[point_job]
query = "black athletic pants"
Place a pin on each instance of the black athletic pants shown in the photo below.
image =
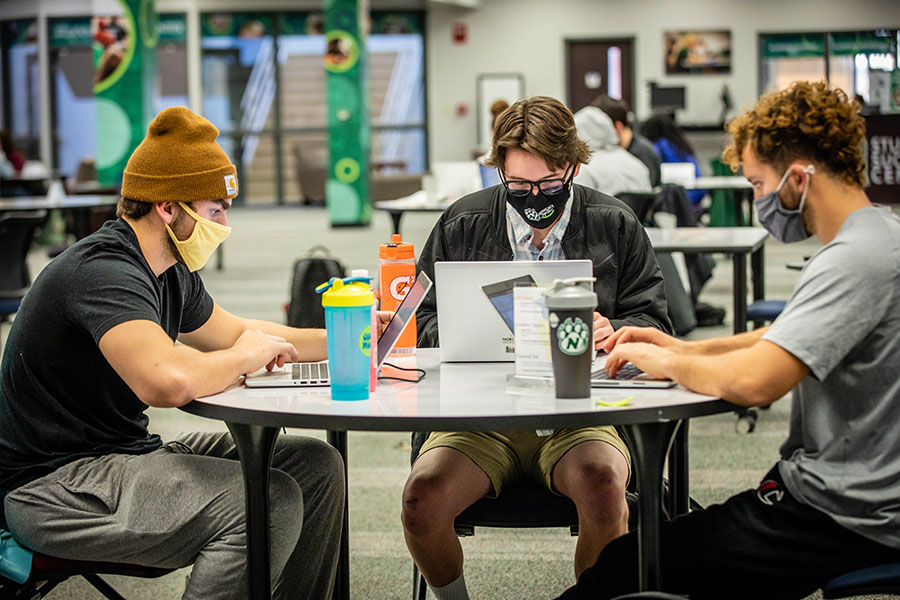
(759, 544)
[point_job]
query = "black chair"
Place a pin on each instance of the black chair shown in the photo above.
(519, 505)
(47, 572)
(881, 579)
(641, 203)
(16, 234)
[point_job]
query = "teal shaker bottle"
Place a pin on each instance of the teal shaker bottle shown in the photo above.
(348, 324)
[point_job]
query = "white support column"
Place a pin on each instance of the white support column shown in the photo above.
(194, 58)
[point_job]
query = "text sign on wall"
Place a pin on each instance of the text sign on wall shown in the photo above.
(883, 158)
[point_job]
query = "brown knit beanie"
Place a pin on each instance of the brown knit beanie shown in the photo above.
(179, 161)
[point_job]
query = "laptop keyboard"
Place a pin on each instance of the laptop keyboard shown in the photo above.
(629, 371)
(315, 373)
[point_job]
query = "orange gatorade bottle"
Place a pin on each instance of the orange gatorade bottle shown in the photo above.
(396, 274)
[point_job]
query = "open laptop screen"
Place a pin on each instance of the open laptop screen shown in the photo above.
(404, 313)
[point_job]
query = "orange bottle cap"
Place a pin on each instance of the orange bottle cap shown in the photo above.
(397, 249)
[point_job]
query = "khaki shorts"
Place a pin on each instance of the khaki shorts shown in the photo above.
(509, 456)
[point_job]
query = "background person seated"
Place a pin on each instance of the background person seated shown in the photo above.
(631, 140)
(611, 169)
(672, 147)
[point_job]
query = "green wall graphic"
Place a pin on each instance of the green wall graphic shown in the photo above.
(124, 77)
(347, 188)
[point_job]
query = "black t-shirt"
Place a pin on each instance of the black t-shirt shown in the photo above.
(60, 400)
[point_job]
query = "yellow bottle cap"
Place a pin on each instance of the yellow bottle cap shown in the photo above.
(355, 293)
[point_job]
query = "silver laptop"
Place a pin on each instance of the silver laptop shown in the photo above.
(470, 328)
(629, 376)
(316, 373)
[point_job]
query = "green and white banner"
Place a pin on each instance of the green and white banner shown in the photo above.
(347, 188)
(124, 77)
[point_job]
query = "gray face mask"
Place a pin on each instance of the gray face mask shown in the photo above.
(785, 225)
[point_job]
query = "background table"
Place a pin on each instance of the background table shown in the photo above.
(63, 202)
(80, 208)
(735, 241)
(453, 397)
(743, 192)
(414, 203)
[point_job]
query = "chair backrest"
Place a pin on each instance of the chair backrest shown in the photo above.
(641, 203)
(16, 234)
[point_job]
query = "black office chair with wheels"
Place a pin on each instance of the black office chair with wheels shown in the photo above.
(519, 505)
(16, 234)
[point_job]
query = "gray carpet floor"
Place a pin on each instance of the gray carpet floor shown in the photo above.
(499, 563)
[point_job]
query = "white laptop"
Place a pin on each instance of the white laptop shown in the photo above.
(316, 373)
(469, 326)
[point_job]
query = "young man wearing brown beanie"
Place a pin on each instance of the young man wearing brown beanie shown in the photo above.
(94, 344)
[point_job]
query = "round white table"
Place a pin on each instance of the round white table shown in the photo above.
(456, 397)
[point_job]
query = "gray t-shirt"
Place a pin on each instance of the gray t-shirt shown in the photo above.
(842, 455)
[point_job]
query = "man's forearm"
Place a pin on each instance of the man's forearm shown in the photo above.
(203, 374)
(725, 344)
(727, 375)
(311, 344)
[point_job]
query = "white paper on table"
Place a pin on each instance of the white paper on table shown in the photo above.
(532, 333)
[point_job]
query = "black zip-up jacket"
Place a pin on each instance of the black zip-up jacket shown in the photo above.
(629, 284)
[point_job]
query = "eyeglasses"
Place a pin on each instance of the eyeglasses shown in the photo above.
(522, 188)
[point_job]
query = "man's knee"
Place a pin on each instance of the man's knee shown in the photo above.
(426, 503)
(598, 486)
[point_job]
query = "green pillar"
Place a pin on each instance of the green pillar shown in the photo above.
(124, 83)
(347, 189)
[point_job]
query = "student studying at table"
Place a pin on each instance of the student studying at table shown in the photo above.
(94, 344)
(537, 213)
(829, 505)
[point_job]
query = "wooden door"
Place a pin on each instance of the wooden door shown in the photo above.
(595, 67)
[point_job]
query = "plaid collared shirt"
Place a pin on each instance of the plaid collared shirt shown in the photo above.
(520, 235)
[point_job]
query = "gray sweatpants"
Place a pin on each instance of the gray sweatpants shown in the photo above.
(183, 504)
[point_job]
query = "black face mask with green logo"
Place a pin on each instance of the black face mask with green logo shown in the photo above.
(542, 209)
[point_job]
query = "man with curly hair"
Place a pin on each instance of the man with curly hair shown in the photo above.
(829, 505)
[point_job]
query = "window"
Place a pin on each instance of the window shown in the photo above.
(21, 72)
(859, 62)
(72, 93)
(264, 88)
(172, 62)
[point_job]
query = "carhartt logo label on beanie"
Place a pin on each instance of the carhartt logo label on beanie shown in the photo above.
(179, 161)
(231, 184)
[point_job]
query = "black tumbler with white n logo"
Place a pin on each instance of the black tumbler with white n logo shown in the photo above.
(570, 307)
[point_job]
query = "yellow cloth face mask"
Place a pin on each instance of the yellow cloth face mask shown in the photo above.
(203, 241)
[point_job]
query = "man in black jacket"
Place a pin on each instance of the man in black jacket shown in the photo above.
(535, 214)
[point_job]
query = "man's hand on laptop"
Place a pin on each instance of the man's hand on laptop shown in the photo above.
(266, 350)
(649, 358)
(649, 335)
(602, 330)
(384, 317)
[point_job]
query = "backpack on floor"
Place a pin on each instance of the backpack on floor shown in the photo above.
(316, 267)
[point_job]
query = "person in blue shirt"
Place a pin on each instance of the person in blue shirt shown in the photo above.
(672, 147)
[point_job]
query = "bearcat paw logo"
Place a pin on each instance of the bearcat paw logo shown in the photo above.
(573, 336)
